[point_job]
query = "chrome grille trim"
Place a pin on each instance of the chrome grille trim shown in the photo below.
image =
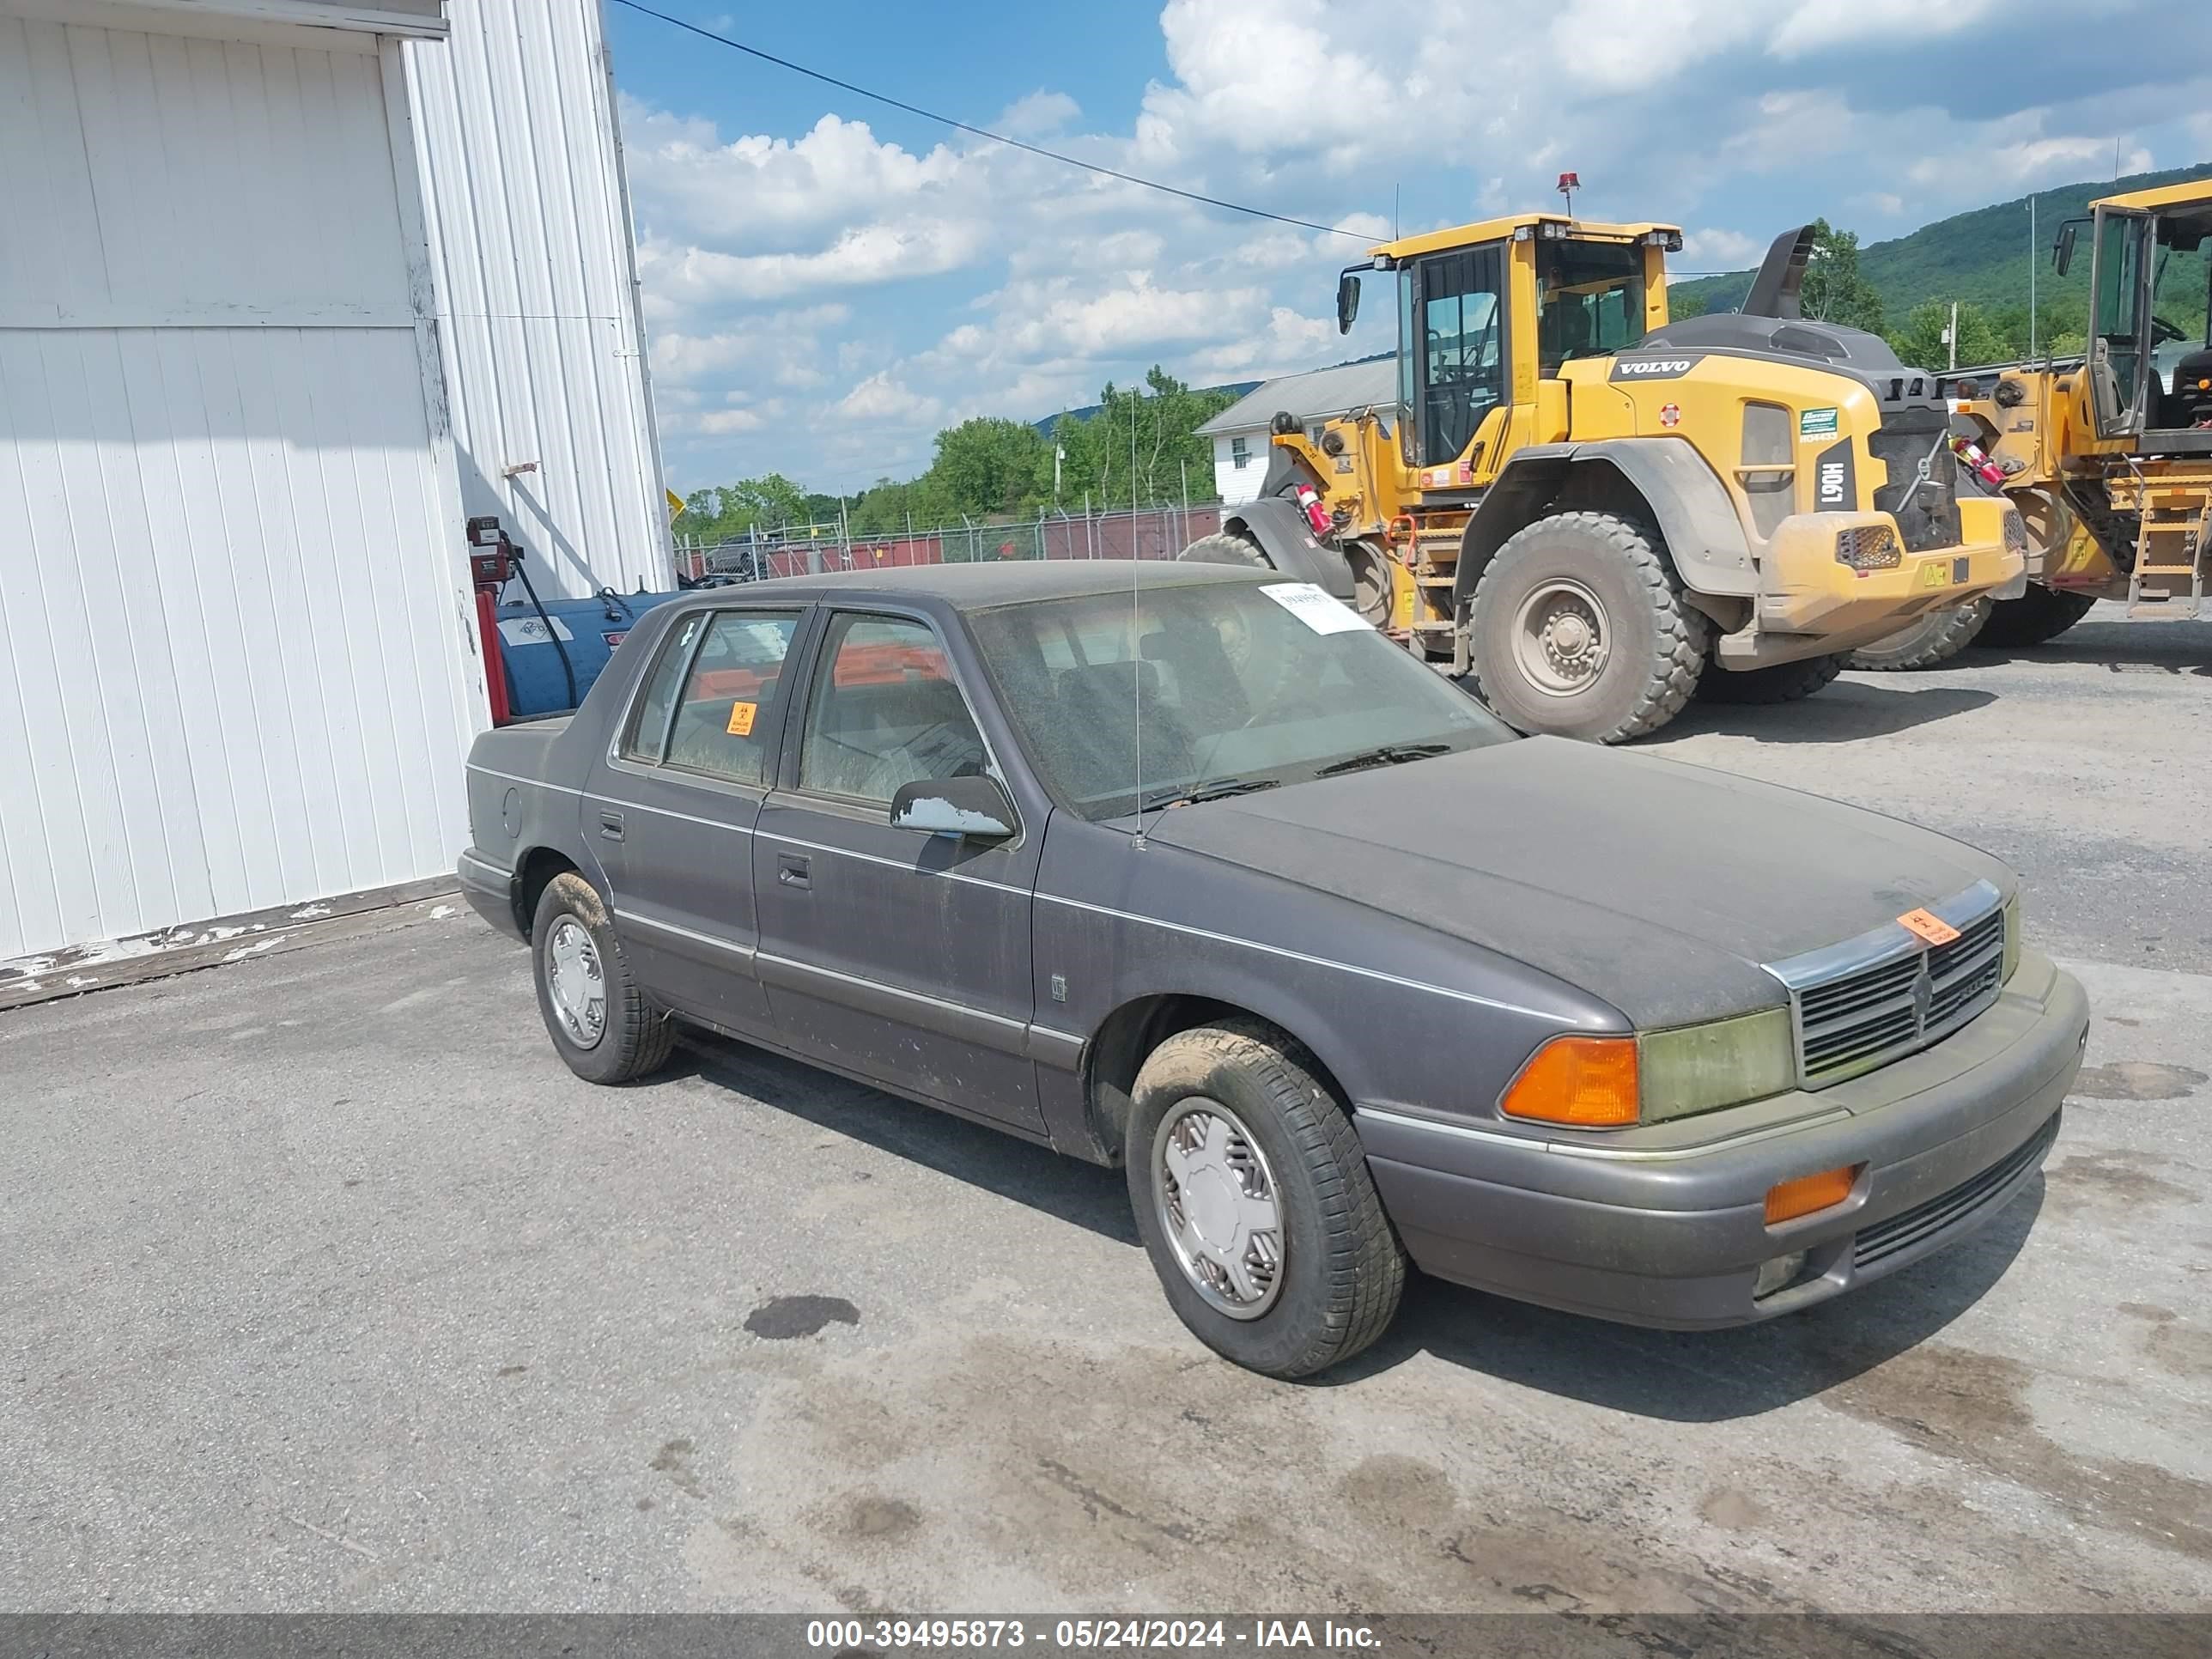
(1885, 994)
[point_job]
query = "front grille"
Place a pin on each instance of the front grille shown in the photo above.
(1930, 519)
(1923, 1221)
(1876, 998)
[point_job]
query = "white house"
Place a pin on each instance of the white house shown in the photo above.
(1240, 432)
(288, 290)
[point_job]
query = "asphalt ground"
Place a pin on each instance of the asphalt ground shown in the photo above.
(324, 1285)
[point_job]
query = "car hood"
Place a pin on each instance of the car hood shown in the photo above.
(1659, 887)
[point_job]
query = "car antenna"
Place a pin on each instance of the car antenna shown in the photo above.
(1136, 645)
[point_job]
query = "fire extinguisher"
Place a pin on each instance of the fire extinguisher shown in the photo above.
(1973, 455)
(1316, 514)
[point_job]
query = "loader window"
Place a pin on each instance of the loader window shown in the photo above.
(2116, 338)
(1589, 300)
(1463, 348)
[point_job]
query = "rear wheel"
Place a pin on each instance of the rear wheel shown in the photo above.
(598, 1018)
(1581, 628)
(1934, 638)
(1254, 1202)
(2040, 614)
(1780, 682)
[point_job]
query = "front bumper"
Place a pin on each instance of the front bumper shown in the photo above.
(491, 890)
(1803, 589)
(1667, 1225)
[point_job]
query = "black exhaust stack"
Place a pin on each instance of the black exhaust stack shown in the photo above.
(1781, 274)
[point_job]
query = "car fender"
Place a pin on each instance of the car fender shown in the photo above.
(1666, 478)
(1279, 528)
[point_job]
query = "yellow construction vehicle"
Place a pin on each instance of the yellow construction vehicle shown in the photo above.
(1597, 513)
(2112, 470)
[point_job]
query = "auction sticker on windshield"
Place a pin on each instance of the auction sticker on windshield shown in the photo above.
(1315, 608)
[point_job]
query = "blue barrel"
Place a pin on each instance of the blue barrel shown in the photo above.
(589, 630)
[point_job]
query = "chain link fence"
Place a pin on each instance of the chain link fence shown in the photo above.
(1154, 532)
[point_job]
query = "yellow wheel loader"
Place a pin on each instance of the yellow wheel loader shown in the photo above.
(1597, 513)
(2109, 466)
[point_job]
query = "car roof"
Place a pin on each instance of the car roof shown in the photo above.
(984, 584)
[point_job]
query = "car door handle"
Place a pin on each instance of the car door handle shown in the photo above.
(611, 825)
(792, 870)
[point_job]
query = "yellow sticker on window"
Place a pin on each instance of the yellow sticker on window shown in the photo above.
(741, 719)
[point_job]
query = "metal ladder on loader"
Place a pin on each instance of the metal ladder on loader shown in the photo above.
(2173, 503)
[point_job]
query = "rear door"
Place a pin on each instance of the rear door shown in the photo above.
(673, 803)
(900, 955)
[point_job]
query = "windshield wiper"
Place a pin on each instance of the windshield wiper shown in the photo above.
(1191, 794)
(1390, 754)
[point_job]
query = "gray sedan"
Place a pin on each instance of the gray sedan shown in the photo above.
(1183, 868)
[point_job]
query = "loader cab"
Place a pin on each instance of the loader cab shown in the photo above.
(1488, 311)
(2150, 288)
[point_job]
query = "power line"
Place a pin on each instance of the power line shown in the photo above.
(982, 133)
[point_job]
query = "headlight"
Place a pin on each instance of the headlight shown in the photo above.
(1609, 1082)
(2012, 936)
(1700, 1068)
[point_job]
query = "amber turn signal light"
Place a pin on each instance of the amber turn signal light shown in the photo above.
(1588, 1083)
(1788, 1200)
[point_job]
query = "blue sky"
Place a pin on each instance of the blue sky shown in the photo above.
(828, 281)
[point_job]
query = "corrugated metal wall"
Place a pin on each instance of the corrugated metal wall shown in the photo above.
(530, 236)
(234, 668)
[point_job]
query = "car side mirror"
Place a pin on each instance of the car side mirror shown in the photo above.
(1347, 302)
(2062, 255)
(969, 809)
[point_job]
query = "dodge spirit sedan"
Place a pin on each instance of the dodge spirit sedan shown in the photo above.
(1183, 868)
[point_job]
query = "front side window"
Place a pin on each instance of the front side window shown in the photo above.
(886, 712)
(1463, 348)
(1589, 300)
(722, 726)
(1198, 687)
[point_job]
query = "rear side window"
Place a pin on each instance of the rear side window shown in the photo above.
(723, 724)
(647, 739)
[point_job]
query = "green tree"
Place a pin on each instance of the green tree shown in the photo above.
(988, 466)
(1167, 450)
(1982, 338)
(1833, 291)
(1681, 304)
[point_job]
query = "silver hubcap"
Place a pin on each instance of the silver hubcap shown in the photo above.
(1560, 637)
(579, 988)
(1219, 1208)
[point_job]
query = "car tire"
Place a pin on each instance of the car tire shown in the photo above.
(1609, 579)
(1338, 1269)
(2038, 616)
(1226, 547)
(1780, 682)
(569, 936)
(1934, 638)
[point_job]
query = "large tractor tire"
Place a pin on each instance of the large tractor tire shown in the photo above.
(1780, 682)
(2040, 614)
(1226, 547)
(1581, 630)
(1934, 638)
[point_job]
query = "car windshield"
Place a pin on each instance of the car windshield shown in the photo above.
(1240, 686)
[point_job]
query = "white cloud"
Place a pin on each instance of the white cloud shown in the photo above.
(1719, 250)
(1039, 115)
(880, 397)
(1814, 25)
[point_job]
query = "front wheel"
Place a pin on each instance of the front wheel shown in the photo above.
(1581, 628)
(1780, 682)
(1934, 638)
(1226, 547)
(1253, 1200)
(2040, 614)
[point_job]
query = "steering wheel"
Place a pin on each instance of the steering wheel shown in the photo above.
(2161, 331)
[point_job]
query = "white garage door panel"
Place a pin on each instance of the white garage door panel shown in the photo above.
(234, 655)
(156, 179)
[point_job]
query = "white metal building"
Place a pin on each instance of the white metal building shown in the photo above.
(288, 289)
(1239, 433)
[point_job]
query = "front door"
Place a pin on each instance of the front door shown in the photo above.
(2119, 285)
(893, 953)
(1459, 347)
(673, 804)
